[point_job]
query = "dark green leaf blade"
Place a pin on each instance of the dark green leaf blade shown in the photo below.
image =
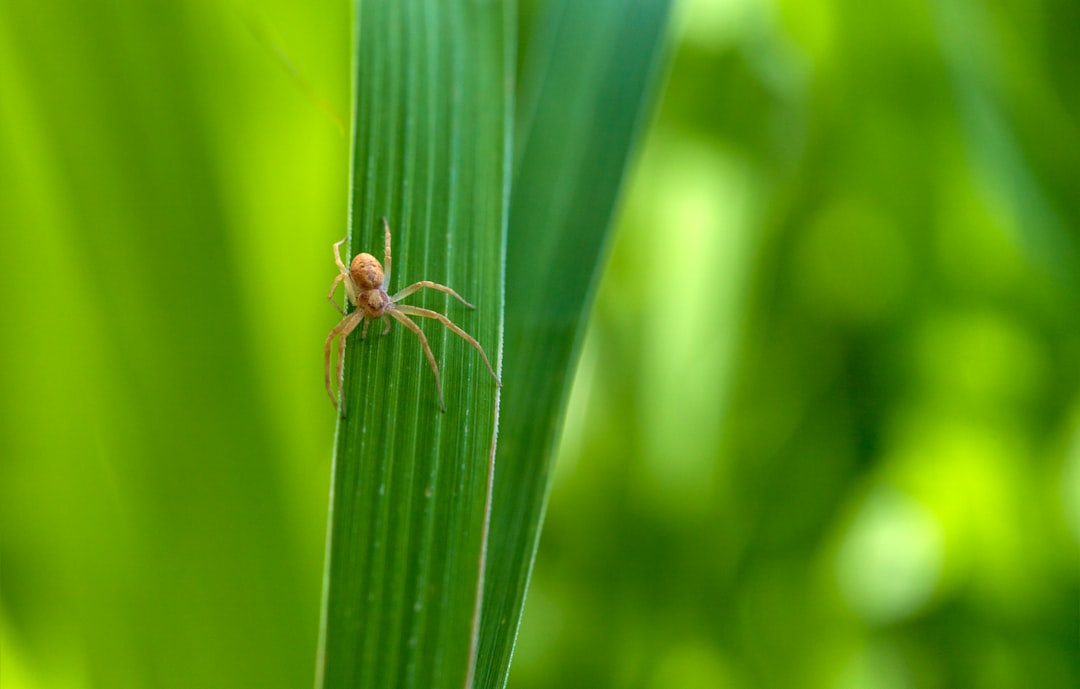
(411, 485)
(589, 87)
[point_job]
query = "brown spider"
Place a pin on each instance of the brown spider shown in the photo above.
(364, 281)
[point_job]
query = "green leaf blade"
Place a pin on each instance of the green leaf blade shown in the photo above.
(411, 484)
(589, 89)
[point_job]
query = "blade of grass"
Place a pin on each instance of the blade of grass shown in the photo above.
(589, 86)
(411, 485)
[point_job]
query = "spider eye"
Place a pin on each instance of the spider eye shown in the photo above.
(366, 272)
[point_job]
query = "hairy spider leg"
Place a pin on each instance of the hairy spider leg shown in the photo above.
(341, 358)
(344, 328)
(433, 285)
(333, 286)
(337, 256)
(343, 274)
(407, 322)
(386, 256)
(427, 313)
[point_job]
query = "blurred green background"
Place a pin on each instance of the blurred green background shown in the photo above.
(825, 431)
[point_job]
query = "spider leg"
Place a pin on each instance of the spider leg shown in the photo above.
(350, 287)
(407, 322)
(363, 331)
(333, 286)
(386, 253)
(337, 255)
(346, 326)
(387, 321)
(341, 358)
(433, 285)
(427, 313)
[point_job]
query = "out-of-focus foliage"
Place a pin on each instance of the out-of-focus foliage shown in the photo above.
(588, 87)
(824, 432)
(168, 196)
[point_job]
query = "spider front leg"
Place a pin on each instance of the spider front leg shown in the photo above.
(428, 313)
(344, 329)
(407, 322)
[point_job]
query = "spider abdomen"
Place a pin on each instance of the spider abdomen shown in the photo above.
(366, 272)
